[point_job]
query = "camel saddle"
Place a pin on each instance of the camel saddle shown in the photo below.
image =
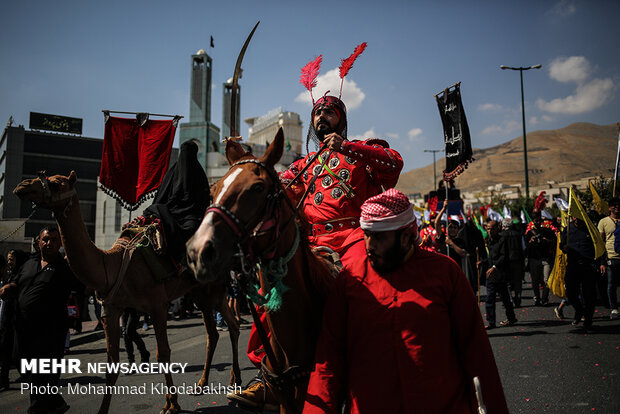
(145, 236)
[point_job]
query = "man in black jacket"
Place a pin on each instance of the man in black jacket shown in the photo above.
(516, 259)
(581, 271)
(497, 282)
(42, 288)
(541, 240)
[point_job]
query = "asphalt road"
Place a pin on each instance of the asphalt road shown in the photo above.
(546, 365)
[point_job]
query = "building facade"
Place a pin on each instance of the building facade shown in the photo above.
(264, 128)
(23, 153)
(199, 128)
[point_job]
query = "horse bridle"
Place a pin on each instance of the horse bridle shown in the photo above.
(269, 221)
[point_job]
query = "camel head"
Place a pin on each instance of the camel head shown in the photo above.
(240, 206)
(54, 193)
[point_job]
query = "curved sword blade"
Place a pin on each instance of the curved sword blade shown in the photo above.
(235, 85)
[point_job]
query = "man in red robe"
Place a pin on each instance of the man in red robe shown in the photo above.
(402, 331)
(347, 173)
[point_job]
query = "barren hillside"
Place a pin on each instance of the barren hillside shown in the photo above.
(576, 151)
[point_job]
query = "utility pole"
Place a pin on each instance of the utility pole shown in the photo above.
(434, 166)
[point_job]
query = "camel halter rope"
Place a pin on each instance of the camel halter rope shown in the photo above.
(51, 198)
(48, 197)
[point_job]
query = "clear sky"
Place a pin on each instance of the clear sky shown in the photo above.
(76, 58)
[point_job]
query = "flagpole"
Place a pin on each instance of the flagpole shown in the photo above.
(617, 161)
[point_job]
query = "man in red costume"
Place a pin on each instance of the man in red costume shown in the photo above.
(347, 173)
(402, 331)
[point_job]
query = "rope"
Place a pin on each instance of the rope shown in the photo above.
(8, 236)
(274, 271)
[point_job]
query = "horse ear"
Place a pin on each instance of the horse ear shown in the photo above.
(72, 178)
(274, 152)
(234, 151)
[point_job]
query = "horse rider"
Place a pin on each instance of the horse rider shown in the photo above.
(337, 182)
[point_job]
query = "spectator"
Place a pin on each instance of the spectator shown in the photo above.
(581, 271)
(611, 266)
(516, 259)
(540, 238)
(130, 320)
(449, 242)
(497, 276)
(42, 288)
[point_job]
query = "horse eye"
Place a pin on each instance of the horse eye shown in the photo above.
(258, 187)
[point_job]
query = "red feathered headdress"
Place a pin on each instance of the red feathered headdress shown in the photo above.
(540, 203)
(310, 72)
(347, 63)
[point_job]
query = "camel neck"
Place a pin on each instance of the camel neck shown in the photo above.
(83, 256)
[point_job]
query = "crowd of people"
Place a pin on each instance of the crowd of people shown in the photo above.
(404, 308)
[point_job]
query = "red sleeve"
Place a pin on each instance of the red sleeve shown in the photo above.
(385, 163)
(473, 346)
(293, 169)
(328, 378)
(296, 190)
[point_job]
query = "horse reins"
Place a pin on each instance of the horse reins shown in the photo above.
(263, 226)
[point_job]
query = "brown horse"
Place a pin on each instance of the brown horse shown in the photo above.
(138, 289)
(252, 220)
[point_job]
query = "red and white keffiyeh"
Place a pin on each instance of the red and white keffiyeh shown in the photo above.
(390, 210)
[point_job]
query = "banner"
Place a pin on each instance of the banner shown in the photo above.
(575, 209)
(601, 205)
(555, 282)
(456, 132)
(135, 158)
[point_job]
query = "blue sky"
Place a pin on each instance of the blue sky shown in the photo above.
(76, 58)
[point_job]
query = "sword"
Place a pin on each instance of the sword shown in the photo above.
(235, 85)
(482, 409)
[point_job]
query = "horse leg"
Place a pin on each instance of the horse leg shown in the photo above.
(160, 326)
(111, 328)
(233, 330)
(212, 337)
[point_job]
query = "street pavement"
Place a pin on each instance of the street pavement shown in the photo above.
(546, 365)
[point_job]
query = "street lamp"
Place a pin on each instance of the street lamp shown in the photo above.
(521, 69)
(434, 166)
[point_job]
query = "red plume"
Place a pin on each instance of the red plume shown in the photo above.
(309, 74)
(541, 202)
(347, 63)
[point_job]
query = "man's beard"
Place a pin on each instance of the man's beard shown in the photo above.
(392, 259)
(320, 133)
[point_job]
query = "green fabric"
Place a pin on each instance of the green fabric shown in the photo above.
(273, 272)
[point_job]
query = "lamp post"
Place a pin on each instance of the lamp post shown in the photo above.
(434, 165)
(521, 69)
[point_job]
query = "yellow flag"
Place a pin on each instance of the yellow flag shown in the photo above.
(601, 205)
(556, 278)
(575, 209)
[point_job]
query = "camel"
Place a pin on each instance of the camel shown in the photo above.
(99, 269)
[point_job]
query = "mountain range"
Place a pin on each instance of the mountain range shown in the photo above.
(576, 151)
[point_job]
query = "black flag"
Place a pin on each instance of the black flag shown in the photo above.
(455, 132)
(212, 44)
